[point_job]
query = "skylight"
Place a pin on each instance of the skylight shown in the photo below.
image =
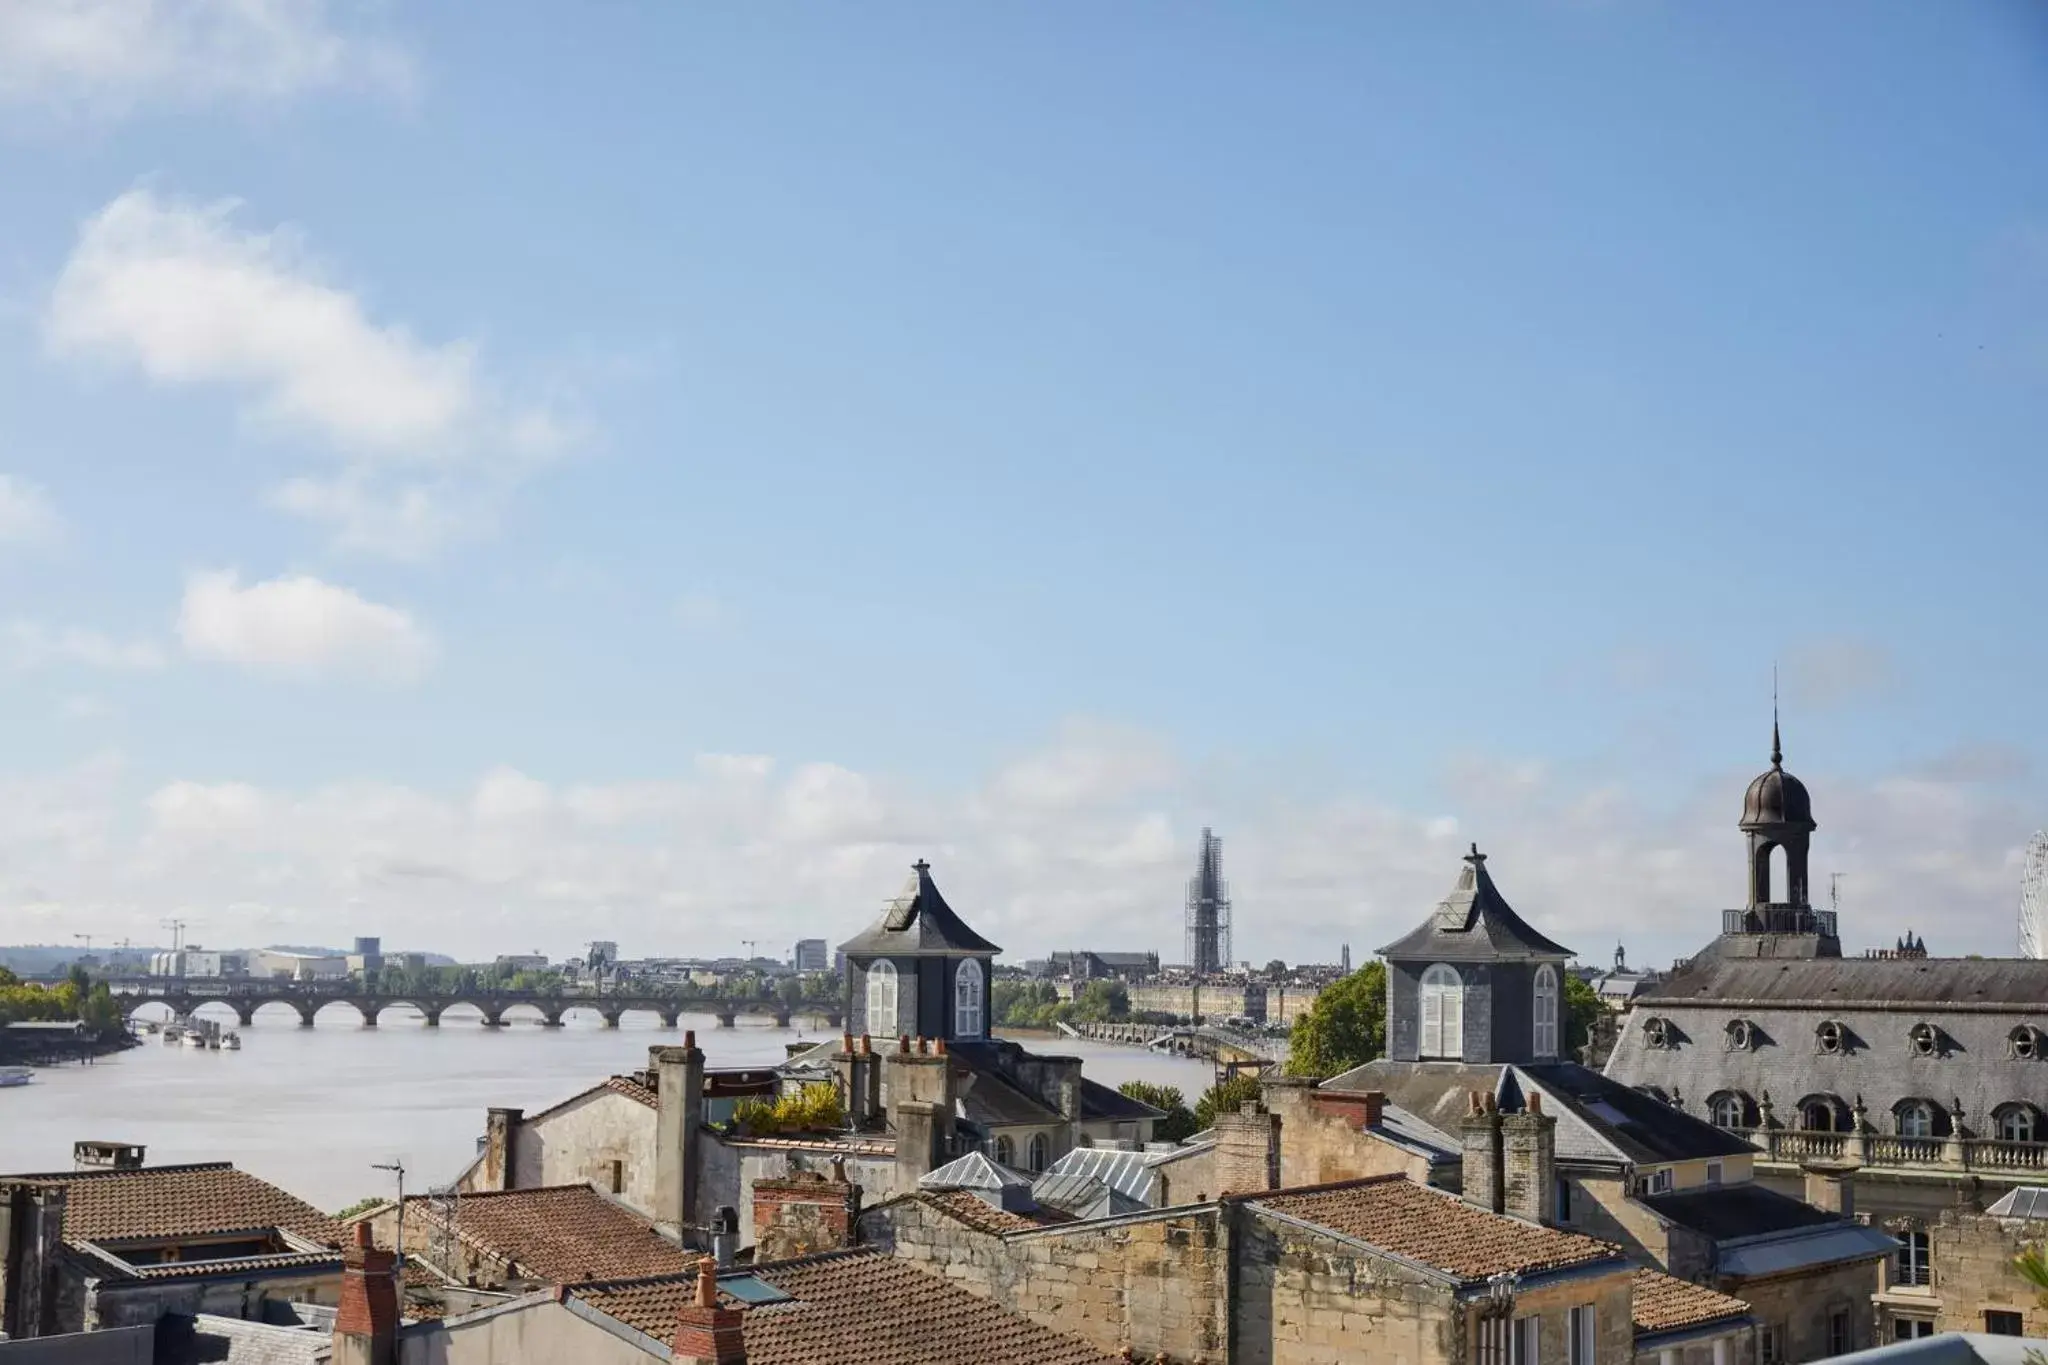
(751, 1289)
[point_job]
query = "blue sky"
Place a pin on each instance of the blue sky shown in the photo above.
(532, 471)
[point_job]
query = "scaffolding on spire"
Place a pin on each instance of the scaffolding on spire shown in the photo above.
(1208, 922)
(2034, 899)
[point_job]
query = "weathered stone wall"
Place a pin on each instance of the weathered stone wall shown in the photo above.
(577, 1144)
(800, 1214)
(1798, 1307)
(1321, 1141)
(1307, 1299)
(1972, 1256)
(544, 1331)
(1602, 1207)
(1155, 1284)
(131, 1305)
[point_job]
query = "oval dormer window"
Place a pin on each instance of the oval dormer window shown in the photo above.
(1830, 1039)
(2024, 1043)
(1741, 1035)
(1656, 1033)
(1924, 1040)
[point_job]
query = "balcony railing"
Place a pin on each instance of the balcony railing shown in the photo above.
(1792, 1145)
(1779, 919)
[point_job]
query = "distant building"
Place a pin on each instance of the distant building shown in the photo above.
(603, 953)
(279, 964)
(811, 955)
(368, 958)
(522, 962)
(1090, 966)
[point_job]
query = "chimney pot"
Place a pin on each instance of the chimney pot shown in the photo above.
(939, 1046)
(846, 1042)
(707, 1285)
(903, 1042)
(689, 1037)
(867, 1044)
(363, 1235)
(1535, 1102)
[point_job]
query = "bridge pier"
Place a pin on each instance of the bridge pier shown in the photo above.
(782, 1018)
(551, 1018)
(494, 1018)
(247, 1014)
(433, 1016)
(725, 1018)
(611, 1018)
(306, 1012)
(671, 1018)
(368, 1011)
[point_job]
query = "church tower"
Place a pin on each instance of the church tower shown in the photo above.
(1779, 920)
(919, 971)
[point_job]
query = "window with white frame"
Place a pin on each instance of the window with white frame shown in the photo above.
(1579, 1336)
(1770, 1345)
(1728, 1110)
(1546, 1011)
(1916, 1119)
(967, 1000)
(1527, 1341)
(882, 999)
(1041, 1153)
(1911, 1260)
(1443, 1013)
(2016, 1123)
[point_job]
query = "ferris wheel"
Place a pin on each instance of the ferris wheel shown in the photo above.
(2034, 899)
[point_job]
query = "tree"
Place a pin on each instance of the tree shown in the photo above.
(1225, 1097)
(1346, 1027)
(1276, 969)
(1100, 1001)
(363, 1205)
(1582, 1008)
(1179, 1124)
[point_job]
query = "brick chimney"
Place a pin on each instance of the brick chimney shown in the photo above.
(366, 1324)
(1529, 1162)
(501, 1141)
(678, 1114)
(31, 1235)
(1482, 1141)
(707, 1334)
(1248, 1150)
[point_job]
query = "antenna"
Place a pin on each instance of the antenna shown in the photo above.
(2034, 899)
(398, 1244)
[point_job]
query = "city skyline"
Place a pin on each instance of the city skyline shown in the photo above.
(1017, 440)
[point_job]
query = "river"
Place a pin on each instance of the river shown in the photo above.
(315, 1109)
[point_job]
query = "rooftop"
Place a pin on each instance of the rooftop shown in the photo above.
(1664, 1303)
(1436, 1228)
(562, 1234)
(179, 1201)
(1935, 983)
(1474, 923)
(918, 922)
(967, 1207)
(858, 1307)
(1725, 1212)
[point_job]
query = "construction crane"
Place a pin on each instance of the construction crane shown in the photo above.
(88, 941)
(177, 928)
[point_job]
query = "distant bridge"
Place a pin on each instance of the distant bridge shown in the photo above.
(1202, 1040)
(185, 994)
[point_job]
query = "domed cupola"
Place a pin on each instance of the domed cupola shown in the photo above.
(1777, 799)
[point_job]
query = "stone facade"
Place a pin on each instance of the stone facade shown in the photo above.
(602, 1137)
(803, 1213)
(1326, 1136)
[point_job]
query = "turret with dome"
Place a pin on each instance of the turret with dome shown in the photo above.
(1779, 920)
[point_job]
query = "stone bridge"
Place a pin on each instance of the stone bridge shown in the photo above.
(1205, 1040)
(185, 994)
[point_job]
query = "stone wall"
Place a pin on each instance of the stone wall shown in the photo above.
(802, 1213)
(129, 1305)
(1972, 1256)
(1798, 1308)
(533, 1331)
(577, 1144)
(1308, 1299)
(1602, 1207)
(1321, 1139)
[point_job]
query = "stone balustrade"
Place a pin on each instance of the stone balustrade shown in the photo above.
(1793, 1146)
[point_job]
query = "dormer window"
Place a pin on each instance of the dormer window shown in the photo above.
(1924, 1040)
(2024, 1043)
(1830, 1039)
(967, 1000)
(1546, 1011)
(1656, 1033)
(882, 998)
(1740, 1035)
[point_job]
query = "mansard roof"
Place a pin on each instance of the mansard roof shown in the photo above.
(1928, 983)
(918, 923)
(1474, 923)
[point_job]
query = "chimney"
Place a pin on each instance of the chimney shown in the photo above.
(31, 1234)
(921, 1105)
(707, 1334)
(1481, 1132)
(501, 1140)
(853, 1067)
(1375, 1108)
(1248, 1150)
(1529, 1163)
(678, 1114)
(366, 1323)
(725, 1235)
(1832, 1189)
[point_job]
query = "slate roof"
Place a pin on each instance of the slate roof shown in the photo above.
(999, 1102)
(1474, 923)
(858, 1307)
(234, 1341)
(1665, 1303)
(1099, 1101)
(1437, 1228)
(562, 1234)
(1973, 1065)
(176, 1201)
(1726, 1212)
(1598, 1119)
(918, 923)
(1935, 984)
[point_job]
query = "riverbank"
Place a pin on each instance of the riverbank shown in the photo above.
(38, 1047)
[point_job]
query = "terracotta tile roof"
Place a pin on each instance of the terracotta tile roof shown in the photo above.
(844, 1146)
(859, 1307)
(977, 1213)
(562, 1234)
(176, 1201)
(1435, 1228)
(633, 1088)
(1664, 1303)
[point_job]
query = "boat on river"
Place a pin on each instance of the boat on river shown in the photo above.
(15, 1075)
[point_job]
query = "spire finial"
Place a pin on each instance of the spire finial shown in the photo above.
(1777, 749)
(921, 867)
(1475, 857)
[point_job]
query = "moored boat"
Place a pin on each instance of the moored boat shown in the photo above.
(15, 1075)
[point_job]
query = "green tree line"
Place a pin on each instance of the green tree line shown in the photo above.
(77, 997)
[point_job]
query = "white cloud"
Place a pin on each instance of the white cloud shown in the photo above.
(26, 514)
(110, 56)
(299, 625)
(31, 644)
(690, 860)
(427, 447)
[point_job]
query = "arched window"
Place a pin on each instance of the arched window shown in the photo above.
(1006, 1152)
(967, 1000)
(1915, 1118)
(882, 999)
(1546, 1011)
(1729, 1109)
(1443, 1013)
(1823, 1114)
(1041, 1151)
(2017, 1123)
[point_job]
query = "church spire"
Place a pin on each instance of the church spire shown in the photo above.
(1777, 749)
